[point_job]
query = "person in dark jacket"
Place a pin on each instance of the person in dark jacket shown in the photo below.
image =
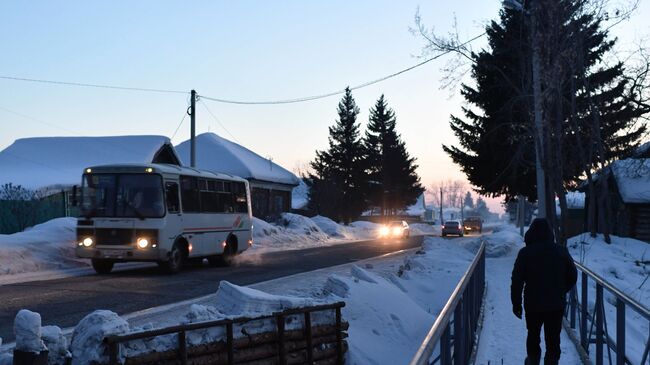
(545, 272)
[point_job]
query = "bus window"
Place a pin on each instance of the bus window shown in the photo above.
(171, 192)
(226, 203)
(239, 191)
(190, 194)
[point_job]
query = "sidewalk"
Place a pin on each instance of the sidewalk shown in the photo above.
(503, 339)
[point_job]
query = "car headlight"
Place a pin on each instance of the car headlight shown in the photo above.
(143, 243)
(384, 231)
(87, 242)
(397, 231)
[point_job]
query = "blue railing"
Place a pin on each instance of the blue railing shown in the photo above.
(592, 321)
(455, 328)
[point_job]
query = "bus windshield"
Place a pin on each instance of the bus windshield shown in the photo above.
(122, 195)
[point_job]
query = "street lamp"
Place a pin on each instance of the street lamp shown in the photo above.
(537, 102)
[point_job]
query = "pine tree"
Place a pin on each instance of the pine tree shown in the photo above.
(392, 171)
(496, 149)
(469, 201)
(339, 180)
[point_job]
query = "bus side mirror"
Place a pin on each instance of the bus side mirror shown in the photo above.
(74, 196)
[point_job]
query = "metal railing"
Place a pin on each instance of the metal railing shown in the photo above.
(113, 342)
(455, 328)
(592, 321)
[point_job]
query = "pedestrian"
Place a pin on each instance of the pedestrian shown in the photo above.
(545, 272)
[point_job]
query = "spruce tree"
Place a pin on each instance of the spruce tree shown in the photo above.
(394, 183)
(339, 180)
(496, 147)
(469, 201)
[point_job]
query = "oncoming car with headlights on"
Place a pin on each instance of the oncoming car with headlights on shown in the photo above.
(161, 213)
(395, 229)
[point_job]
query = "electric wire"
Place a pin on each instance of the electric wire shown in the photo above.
(99, 86)
(218, 121)
(327, 95)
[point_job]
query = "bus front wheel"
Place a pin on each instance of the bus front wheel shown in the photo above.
(174, 262)
(102, 266)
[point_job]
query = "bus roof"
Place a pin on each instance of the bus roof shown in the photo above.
(161, 168)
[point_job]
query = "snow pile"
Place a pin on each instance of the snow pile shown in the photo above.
(504, 240)
(354, 231)
(27, 327)
(300, 196)
(575, 200)
(239, 301)
(87, 344)
(47, 246)
(421, 229)
(385, 323)
(57, 345)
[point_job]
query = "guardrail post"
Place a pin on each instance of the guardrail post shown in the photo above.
(445, 347)
(182, 347)
(599, 324)
(458, 334)
(310, 346)
(584, 312)
(112, 353)
(281, 355)
(572, 307)
(339, 338)
(230, 340)
(620, 332)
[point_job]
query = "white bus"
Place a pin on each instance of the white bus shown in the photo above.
(161, 213)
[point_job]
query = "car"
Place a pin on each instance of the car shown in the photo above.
(473, 224)
(452, 227)
(395, 229)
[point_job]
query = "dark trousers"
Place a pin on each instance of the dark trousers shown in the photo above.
(552, 322)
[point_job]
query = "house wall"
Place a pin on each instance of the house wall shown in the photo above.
(269, 200)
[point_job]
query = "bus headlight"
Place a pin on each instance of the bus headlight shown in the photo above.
(87, 242)
(143, 243)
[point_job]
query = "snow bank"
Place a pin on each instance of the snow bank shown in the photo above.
(504, 240)
(57, 345)
(300, 196)
(237, 301)
(27, 327)
(424, 229)
(47, 246)
(88, 336)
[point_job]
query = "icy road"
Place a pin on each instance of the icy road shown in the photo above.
(65, 301)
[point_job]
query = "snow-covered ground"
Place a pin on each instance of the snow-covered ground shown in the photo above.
(503, 339)
(625, 263)
(46, 251)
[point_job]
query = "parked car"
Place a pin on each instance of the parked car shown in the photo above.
(452, 227)
(473, 224)
(395, 229)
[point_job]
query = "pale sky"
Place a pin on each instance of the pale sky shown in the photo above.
(242, 50)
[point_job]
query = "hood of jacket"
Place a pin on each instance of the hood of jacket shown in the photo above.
(539, 232)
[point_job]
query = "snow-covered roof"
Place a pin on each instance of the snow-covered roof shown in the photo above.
(633, 179)
(215, 153)
(41, 162)
(643, 150)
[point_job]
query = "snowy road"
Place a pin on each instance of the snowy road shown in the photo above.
(65, 301)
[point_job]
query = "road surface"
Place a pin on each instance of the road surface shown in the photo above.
(63, 302)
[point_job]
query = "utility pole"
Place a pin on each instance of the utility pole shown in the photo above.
(193, 129)
(441, 220)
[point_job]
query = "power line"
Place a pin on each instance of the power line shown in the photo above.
(99, 86)
(217, 120)
(327, 95)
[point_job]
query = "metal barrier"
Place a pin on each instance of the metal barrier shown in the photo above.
(454, 329)
(113, 342)
(596, 320)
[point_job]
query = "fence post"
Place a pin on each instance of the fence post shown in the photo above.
(584, 312)
(620, 332)
(182, 347)
(572, 307)
(310, 346)
(458, 333)
(281, 356)
(445, 344)
(599, 324)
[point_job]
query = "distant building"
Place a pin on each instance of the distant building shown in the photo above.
(629, 189)
(271, 184)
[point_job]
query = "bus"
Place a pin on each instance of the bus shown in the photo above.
(161, 213)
